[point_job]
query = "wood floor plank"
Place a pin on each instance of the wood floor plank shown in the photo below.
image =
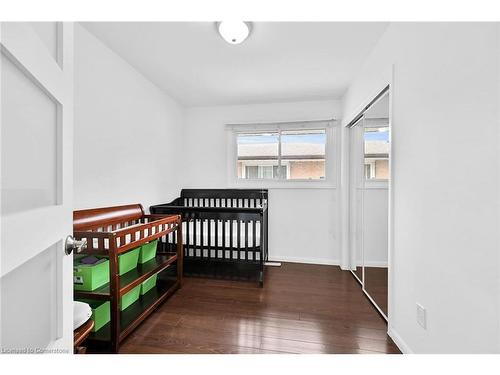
(301, 309)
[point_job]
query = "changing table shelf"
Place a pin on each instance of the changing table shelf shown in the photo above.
(138, 311)
(132, 278)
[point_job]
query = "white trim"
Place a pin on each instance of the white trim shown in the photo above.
(281, 184)
(1, 224)
(498, 181)
(390, 228)
(282, 125)
(376, 264)
(256, 184)
(320, 261)
(398, 340)
(344, 197)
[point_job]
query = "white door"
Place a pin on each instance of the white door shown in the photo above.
(36, 294)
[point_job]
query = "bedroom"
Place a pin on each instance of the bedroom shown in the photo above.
(313, 187)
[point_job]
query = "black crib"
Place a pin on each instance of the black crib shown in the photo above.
(225, 232)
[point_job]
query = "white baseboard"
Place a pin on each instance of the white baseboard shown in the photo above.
(329, 262)
(375, 264)
(405, 349)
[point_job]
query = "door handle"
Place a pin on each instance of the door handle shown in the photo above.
(74, 245)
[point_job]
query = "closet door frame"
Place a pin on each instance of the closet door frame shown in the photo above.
(386, 87)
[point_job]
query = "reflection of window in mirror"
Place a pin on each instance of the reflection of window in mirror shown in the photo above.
(376, 149)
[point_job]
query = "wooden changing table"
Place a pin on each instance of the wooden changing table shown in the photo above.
(112, 231)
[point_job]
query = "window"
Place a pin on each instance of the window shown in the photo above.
(282, 155)
(376, 149)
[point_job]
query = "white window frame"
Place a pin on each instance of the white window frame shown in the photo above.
(332, 154)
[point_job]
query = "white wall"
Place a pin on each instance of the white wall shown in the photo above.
(445, 167)
(127, 131)
(303, 223)
(375, 222)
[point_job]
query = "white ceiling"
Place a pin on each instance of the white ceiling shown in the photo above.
(280, 61)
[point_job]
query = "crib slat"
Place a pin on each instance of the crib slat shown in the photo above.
(206, 235)
(254, 238)
(195, 232)
(223, 222)
(246, 239)
(202, 235)
(216, 234)
(231, 238)
(188, 234)
(239, 238)
(209, 237)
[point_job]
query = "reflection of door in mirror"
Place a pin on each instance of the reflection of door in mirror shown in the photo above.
(375, 201)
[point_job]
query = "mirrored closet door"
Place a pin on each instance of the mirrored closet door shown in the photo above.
(369, 213)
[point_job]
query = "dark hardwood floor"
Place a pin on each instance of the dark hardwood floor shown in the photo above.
(376, 279)
(301, 309)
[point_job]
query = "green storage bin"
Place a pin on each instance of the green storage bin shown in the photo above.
(149, 284)
(128, 261)
(130, 297)
(148, 251)
(101, 313)
(89, 277)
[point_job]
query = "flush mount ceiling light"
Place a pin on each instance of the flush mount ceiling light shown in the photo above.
(233, 32)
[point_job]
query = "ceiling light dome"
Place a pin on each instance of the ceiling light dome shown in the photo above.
(234, 32)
